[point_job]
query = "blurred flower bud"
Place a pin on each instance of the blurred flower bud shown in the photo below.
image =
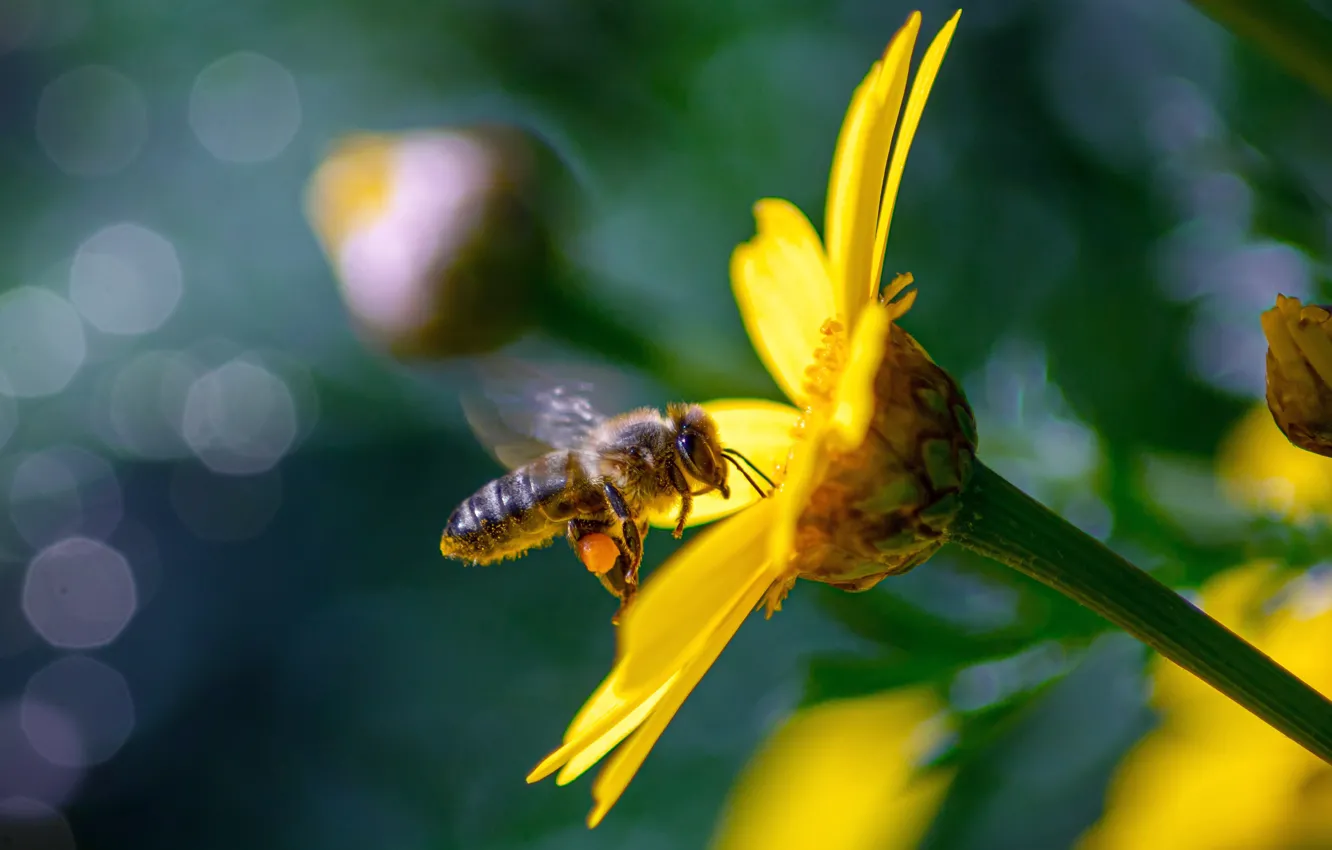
(886, 506)
(438, 238)
(1299, 372)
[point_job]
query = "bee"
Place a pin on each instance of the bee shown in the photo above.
(576, 471)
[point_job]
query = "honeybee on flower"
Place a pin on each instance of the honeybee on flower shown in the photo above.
(877, 443)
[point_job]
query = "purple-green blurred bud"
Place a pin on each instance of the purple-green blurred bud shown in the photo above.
(438, 238)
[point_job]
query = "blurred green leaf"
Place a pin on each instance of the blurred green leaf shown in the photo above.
(1292, 32)
(981, 729)
(833, 677)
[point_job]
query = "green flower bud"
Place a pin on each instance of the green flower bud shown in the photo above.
(886, 506)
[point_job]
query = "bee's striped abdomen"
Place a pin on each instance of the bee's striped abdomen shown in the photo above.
(522, 510)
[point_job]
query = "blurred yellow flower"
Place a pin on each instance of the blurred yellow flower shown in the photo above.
(820, 325)
(1213, 776)
(1263, 472)
(858, 758)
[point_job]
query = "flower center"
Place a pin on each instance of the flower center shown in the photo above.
(819, 385)
(829, 358)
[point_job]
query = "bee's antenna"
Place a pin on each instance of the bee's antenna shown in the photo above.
(752, 482)
(750, 464)
(732, 454)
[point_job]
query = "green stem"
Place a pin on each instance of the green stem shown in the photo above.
(1293, 33)
(1001, 522)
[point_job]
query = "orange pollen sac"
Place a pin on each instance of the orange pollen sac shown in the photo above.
(821, 376)
(598, 553)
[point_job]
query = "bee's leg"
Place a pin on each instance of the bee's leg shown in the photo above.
(632, 538)
(686, 499)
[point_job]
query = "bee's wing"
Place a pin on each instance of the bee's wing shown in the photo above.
(520, 412)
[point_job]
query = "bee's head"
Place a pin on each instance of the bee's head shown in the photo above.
(698, 450)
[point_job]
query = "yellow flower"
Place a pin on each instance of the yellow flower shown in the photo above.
(818, 322)
(1263, 472)
(856, 757)
(1213, 776)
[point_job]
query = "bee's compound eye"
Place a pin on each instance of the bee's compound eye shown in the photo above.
(688, 444)
(598, 553)
(701, 460)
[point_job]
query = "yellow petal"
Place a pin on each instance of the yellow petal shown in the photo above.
(856, 757)
(1283, 344)
(854, 402)
(1262, 471)
(781, 285)
(839, 216)
(762, 432)
(803, 470)
(689, 596)
(350, 188)
(607, 699)
(593, 750)
(856, 180)
(614, 778)
(920, 92)
(1315, 346)
(608, 724)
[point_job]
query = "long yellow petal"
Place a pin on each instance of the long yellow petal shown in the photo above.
(802, 476)
(920, 92)
(607, 727)
(615, 776)
(761, 431)
(840, 206)
(854, 403)
(688, 597)
(594, 749)
(781, 284)
(856, 179)
(607, 699)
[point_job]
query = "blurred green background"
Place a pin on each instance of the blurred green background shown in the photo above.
(224, 620)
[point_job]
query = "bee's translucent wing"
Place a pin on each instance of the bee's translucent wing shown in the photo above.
(520, 412)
